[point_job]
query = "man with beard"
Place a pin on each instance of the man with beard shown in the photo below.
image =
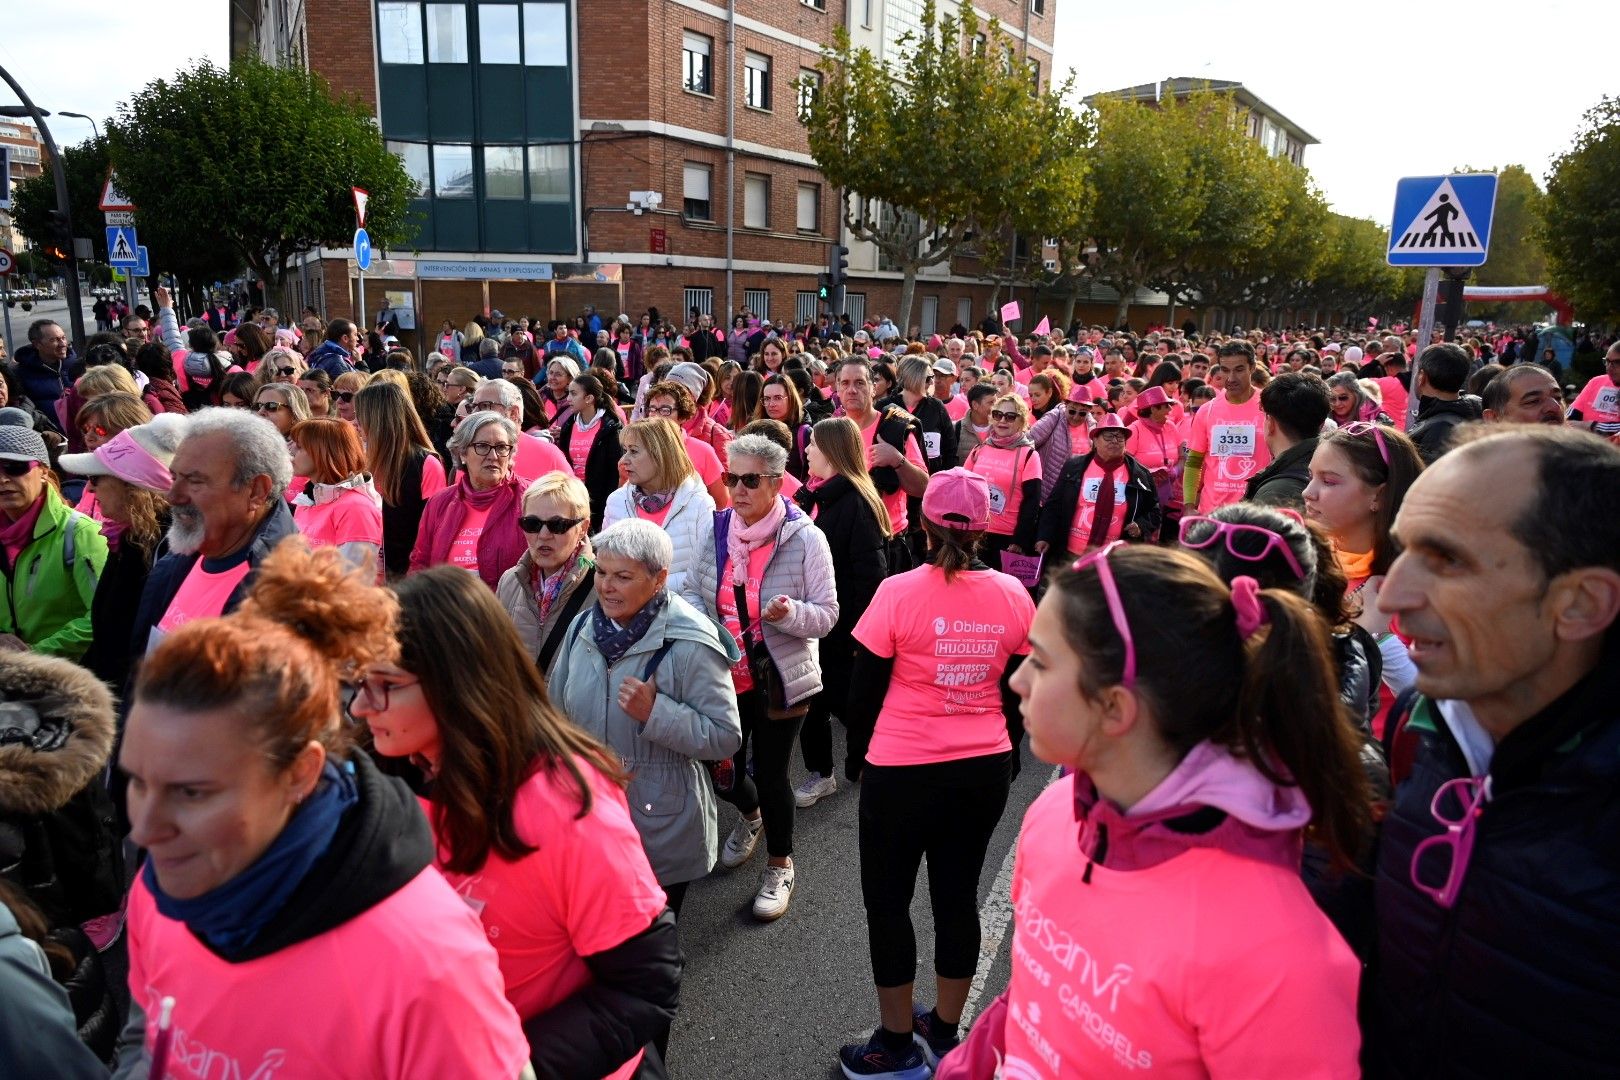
(230, 474)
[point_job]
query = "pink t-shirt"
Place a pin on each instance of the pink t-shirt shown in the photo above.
(434, 480)
(657, 517)
(957, 407)
(1155, 449)
(1007, 471)
(580, 441)
(894, 501)
(1085, 507)
(352, 518)
(1208, 964)
(950, 644)
(1232, 440)
(1599, 400)
(1396, 400)
(586, 889)
(464, 548)
(742, 676)
(408, 988)
(704, 459)
(202, 595)
(790, 485)
(535, 457)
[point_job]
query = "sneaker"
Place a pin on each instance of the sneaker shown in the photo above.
(775, 891)
(933, 1046)
(863, 1061)
(741, 843)
(814, 789)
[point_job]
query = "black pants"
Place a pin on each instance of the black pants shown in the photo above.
(948, 812)
(815, 738)
(768, 790)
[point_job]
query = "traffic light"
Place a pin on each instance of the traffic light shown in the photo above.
(58, 245)
(837, 273)
(824, 288)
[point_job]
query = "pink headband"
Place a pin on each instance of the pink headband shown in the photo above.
(133, 463)
(1251, 613)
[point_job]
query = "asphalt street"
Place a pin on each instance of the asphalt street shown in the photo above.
(767, 1001)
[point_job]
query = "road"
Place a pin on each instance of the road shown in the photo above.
(56, 310)
(768, 1001)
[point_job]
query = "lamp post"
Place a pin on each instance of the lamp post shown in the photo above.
(63, 206)
(81, 116)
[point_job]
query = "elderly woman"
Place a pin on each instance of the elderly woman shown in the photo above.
(1101, 496)
(649, 675)
(1349, 403)
(561, 371)
(54, 554)
(662, 487)
(280, 365)
(555, 579)
(765, 571)
(473, 524)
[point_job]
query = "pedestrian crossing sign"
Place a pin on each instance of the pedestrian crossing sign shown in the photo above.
(122, 249)
(1442, 220)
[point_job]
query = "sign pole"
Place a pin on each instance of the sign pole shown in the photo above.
(1454, 301)
(1431, 291)
(5, 304)
(361, 322)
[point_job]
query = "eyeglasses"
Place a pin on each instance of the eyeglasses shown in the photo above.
(1468, 794)
(1074, 410)
(345, 396)
(1247, 535)
(997, 414)
(1116, 607)
(666, 411)
(1362, 427)
(375, 689)
(500, 450)
(287, 370)
(556, 526)
(268, 406)
(17, 468)
(747, 480)
(95, 429)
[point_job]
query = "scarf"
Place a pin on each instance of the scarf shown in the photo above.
(230, 916)
(547, 590)
(1356, 566)
(500, 545)
(613, 641)
(650, 502)
(744, 539)
(17, 535)
(114, 532)
(1105, 504)
(1020, 439)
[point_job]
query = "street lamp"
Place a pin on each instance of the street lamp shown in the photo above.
(81, 116)
(63, 206)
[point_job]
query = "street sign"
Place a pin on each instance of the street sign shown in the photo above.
(83, 249)
(360, 199)
(5, 178)
(121, 245)
(120, 217)
(7, 263)
(143, 265)
(111, 197)
(1442, 220)
(362, 249)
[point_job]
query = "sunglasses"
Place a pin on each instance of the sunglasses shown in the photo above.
(1457, 804)
(17, 468)
(747, 480)
(556, 526)
(1251, 543)
(287, 370)
(1116, 607)
(345, 396)
(1074, 410)
(997, 414)
(268, 406)
(95, 429)
(1363, 427)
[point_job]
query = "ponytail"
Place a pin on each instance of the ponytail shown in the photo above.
(951, 550)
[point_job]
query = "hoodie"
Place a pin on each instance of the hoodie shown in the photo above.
(1178, 938)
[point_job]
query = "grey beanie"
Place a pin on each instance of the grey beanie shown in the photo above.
(691, 376)
(22, 444)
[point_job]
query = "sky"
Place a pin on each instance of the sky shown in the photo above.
(1522, 71)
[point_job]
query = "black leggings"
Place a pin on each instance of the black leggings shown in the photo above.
(947, 811)
(768, 790)
(815, 739)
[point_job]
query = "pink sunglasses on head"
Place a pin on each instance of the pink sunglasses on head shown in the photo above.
(1116, 607)
(1234, 531)
(1362, 427)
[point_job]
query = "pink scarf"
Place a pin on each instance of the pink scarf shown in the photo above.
(743, 539)
(17, 535)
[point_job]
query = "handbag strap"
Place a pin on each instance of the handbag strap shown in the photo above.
(571, 606)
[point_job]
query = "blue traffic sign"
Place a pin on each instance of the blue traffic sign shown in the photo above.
(122, 246)
(362, 249)
(143, 265)
(1442, 220)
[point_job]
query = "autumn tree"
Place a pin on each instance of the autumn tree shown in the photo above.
(1580, 216)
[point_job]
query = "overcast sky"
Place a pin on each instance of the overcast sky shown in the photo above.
(1370, 81)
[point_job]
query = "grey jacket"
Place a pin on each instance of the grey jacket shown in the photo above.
(517, 597)
(694, 718)
(37, 1032)
(800, 569)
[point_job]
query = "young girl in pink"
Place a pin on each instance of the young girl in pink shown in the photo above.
(1161, 925)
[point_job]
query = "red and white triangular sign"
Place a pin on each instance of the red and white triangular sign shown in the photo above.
(112, 198)
(360, 199)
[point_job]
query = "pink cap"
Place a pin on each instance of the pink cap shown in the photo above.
(1109, 422)
(1153, 395)
(934, 343)
(957, 499)
(128, 458)
(874, 353)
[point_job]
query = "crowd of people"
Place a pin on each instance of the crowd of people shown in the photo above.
(314, 649)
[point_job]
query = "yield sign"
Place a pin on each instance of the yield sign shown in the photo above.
(112, 198)
(361, 197)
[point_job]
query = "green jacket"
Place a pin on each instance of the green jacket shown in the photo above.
(47, 603)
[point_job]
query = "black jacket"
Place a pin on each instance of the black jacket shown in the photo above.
(601, 464)
(1436, 420)
(402, 521)
(1282, 483)
(858, 543)
(934, 420)
(1057, 516)
(113, 610)
(1521, 976)
(895, 426)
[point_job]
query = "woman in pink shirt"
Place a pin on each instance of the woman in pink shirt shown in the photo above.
(1010, 464)
(532, 827)
(1160, 920)
(282, 866)
(339, 508)
(473, 524)
(589, 438)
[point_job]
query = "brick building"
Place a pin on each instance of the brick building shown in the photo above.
(26, 154)
(621, 153)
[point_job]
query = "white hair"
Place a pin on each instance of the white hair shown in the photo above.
(511, 397)
(770, 454)
(467, 434)
(261, 450)
(637, 540)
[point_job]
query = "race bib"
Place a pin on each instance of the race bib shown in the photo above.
(998, 499)
(931, 443)
(1232, 440)
(1093, 487)
(1607, 401)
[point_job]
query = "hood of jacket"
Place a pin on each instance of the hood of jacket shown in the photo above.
(56, 731)
(320, 494)
(33, 364)
(1432, 406)
(326, 349)
(1212, 799)
(381, 844)
(680, 621)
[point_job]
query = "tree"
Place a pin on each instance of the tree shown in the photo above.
(1515, 257)
(931, 152)
(1354, 278)
(258, 160)
(1580, 216)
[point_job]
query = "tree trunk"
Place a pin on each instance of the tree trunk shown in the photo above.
(1122, 312)
(1068, 309)
(908, 290)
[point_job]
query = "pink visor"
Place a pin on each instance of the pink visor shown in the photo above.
(123, 457)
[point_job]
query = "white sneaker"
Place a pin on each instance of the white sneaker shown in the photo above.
(815, 788)
(775, 891)
(740, 845)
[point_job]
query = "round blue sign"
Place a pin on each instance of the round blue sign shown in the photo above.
(362, 249)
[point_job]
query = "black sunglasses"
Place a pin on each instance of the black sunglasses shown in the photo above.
(268, 406)
(288, 370)
(997, 414)
(345, 396)
(17, 468)
(556, 526)
(747, 480)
